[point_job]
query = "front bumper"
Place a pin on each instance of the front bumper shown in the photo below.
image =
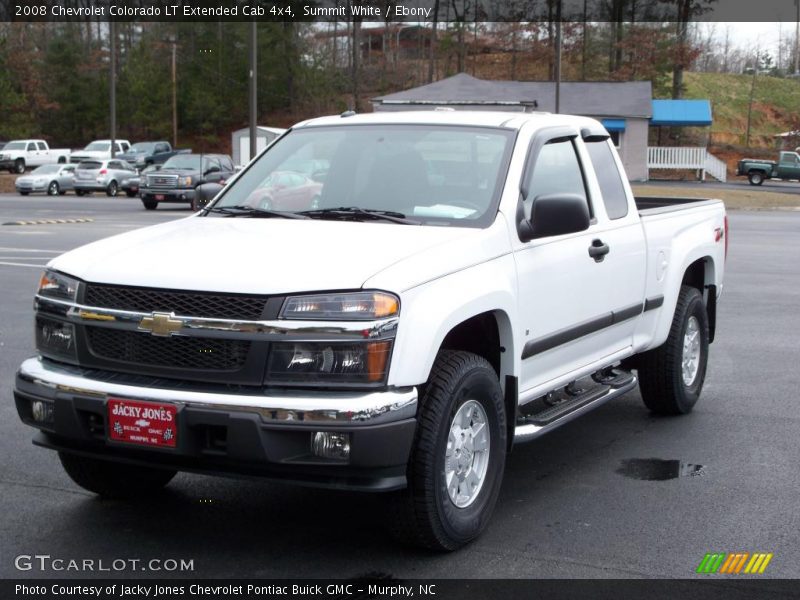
(263, 434)
(6, 164)
(170, 195)
(31, 187)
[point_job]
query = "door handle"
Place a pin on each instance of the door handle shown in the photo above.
(598, 250)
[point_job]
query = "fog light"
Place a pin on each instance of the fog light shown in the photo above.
(42, 411)
(327, 444)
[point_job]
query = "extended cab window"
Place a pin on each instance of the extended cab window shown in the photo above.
(556, 171)
(605, 167)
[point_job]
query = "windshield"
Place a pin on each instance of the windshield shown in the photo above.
(15, 146)
(434, 174)
(98, 147)
(47, 169)
(142, 147)
(183, 161)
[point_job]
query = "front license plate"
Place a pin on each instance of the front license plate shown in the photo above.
(159, 197)
(143, 423)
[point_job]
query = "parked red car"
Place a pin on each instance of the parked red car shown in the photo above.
(286, 190)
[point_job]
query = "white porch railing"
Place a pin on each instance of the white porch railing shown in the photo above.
(686, 157)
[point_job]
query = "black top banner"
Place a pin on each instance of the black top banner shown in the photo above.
(416, 11)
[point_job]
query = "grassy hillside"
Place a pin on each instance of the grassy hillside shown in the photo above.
(776, 106)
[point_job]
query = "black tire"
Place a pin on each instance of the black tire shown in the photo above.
(112, 189)
(149, 204)
(24, 193)
(423, 513)
(62, 192)
(194, 203)
(62, 160)
(112, 479)
(130, 193)
(80, 192)
(660, 370)
(19, 166)
(52, 189)
(755, 177)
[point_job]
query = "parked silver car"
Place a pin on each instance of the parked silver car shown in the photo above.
(51, 179)
(102, 176)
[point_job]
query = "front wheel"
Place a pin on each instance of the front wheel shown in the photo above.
(755, 177)
(112, 479)
(457, 461)
(130, 193)
(671, 376)
(149, 205)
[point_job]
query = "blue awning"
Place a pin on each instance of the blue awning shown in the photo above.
(681, 113)
(614, 124)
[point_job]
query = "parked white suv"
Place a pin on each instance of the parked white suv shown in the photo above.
(469, 281)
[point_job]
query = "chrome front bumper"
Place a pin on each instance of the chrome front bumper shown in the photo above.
(49, 380)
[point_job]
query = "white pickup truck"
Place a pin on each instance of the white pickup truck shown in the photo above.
(18, 155)
(461, 282)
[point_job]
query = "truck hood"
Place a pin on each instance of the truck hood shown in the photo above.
(257, 256)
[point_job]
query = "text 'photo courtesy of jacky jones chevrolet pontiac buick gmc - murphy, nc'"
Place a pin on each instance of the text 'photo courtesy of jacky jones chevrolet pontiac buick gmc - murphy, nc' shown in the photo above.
(462, 282)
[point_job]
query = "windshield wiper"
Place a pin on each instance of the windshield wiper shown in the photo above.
(251, 211)
(356, 212)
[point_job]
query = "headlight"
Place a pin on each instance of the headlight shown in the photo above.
(56, 285)
(184, 181)
(357, 306)
(55, 338)
(334, 362)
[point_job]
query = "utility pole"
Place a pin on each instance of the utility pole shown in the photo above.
(752, 94)
(558, 57)
(253, 89)
(797, 39)
(112, 43)
(174, 94)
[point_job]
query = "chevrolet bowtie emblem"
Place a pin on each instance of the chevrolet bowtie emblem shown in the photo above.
(161, 324)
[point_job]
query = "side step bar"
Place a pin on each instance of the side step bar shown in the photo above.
(533, 427)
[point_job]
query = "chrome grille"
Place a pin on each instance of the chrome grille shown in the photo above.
(162, 181)
(184, 303)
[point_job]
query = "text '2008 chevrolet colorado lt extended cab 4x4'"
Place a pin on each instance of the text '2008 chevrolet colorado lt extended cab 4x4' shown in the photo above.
(467, 281)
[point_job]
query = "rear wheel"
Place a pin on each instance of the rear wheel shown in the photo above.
(112, 189)
(149, 204)
(114, 480)
(755, 177)
(80, 192)
(52, 189)
(671, 376)
(457, 461)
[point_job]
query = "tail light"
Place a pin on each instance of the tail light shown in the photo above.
(103, 171)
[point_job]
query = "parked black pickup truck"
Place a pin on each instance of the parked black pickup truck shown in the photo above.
(143, 154)
(177, 179)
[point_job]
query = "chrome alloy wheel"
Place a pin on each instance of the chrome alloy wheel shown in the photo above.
(691, 351)
(467, 456)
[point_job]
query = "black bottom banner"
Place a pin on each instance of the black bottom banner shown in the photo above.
(390, 589)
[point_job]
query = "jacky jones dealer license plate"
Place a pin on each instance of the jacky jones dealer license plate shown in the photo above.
(144, 423)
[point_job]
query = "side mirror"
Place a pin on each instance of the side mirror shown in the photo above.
(206, 192)
(555, 214)
(158, 167)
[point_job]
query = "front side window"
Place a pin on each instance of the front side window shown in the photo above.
(433, 174)
(42, 146)
(556, 171)
(31, 147)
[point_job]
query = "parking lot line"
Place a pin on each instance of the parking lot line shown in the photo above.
(11, 264)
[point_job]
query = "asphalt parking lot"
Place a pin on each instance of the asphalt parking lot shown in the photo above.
(572, 504)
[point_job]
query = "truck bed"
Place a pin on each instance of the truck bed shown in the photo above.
(653, 205)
